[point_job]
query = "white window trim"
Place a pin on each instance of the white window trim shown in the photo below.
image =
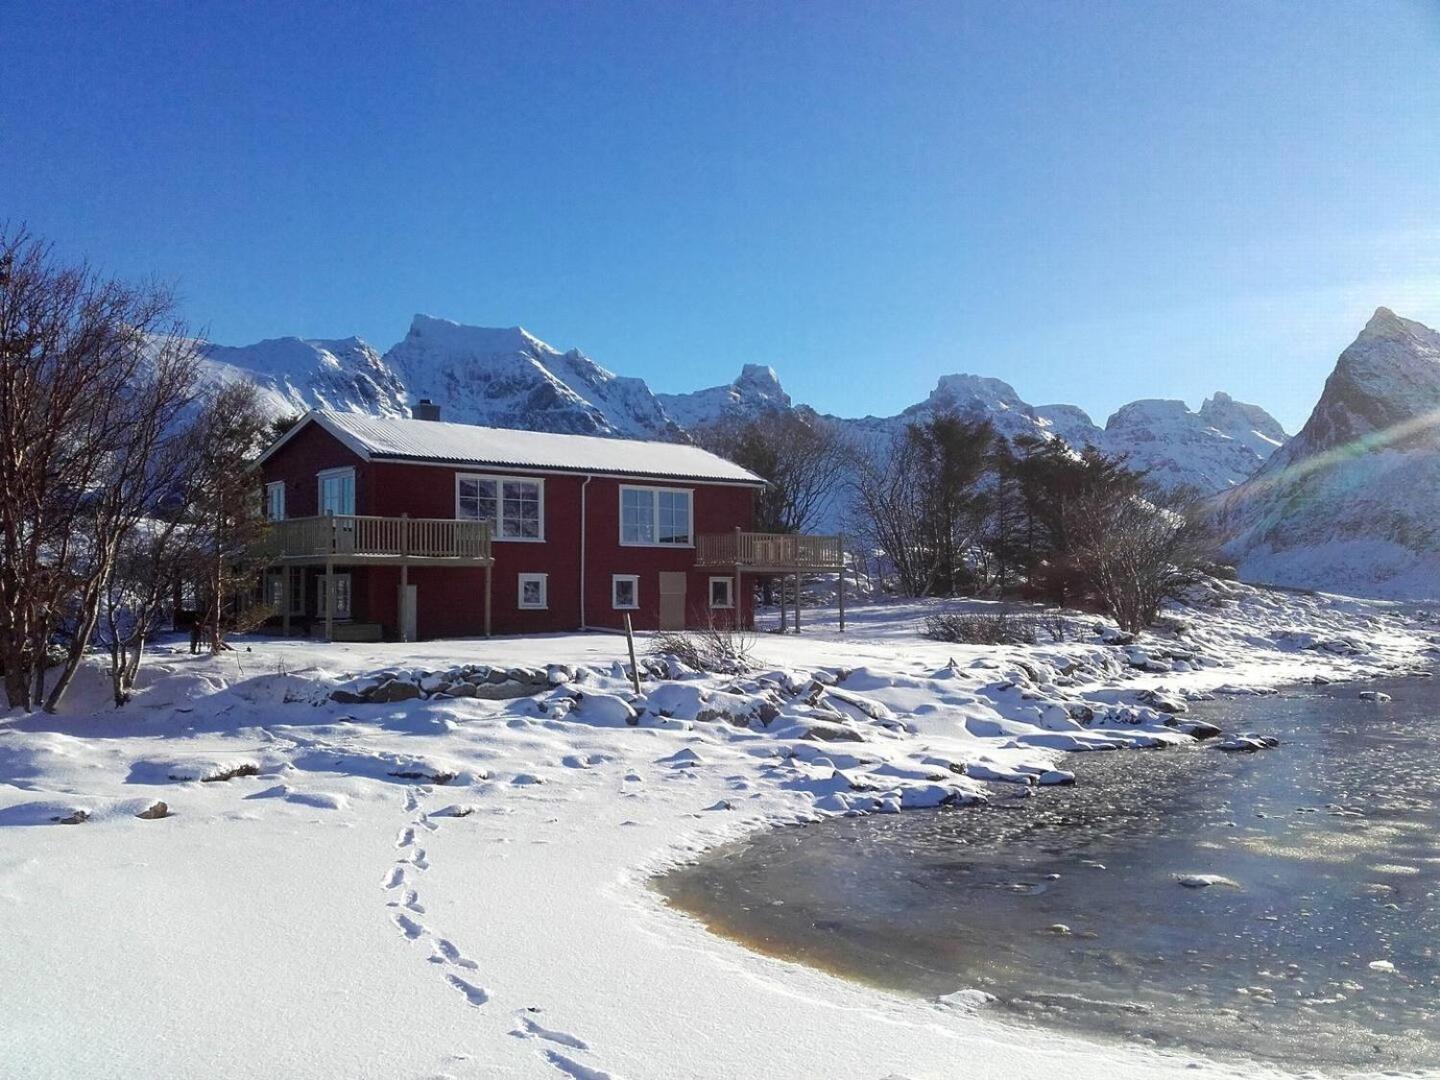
(615, 580)
(655, 502)
(326, 474)
(544, 580)
(347, 591)
(270, 491)
(500, 504)
(710, 593)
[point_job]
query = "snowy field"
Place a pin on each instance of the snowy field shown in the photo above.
(455, 886)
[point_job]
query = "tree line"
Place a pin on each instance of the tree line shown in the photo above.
(124, 474)
(949, 507)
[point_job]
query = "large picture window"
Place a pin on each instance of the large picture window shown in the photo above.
(656, 516)
(514, 506)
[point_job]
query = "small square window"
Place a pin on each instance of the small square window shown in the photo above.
(533, 590)
(722, 592)
(625, 591)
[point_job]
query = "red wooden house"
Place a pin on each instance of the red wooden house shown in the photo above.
(407, 529)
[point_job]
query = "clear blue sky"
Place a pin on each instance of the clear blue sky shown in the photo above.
(1094, 201)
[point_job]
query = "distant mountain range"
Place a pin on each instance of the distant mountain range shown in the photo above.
(1351, 504)
(510, 378)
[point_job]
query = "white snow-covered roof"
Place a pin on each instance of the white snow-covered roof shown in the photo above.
(392, 439)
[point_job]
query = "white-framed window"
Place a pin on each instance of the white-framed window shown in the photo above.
(656, 517)
(514, 505)
(275, 500)
(722, 592)
(275, 591)
(342, 596)
(337, 491)
(625, 591)
(534, 591)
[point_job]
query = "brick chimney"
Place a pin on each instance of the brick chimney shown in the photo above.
(425, 409)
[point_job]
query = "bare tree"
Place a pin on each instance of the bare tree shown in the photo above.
(920, 502)
(226, 509)
(94, 375)
(798, 452)
(1134, 555)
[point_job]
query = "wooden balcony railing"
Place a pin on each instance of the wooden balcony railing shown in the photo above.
(776, 552)
(378, 538)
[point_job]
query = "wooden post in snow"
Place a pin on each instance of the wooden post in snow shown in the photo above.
(630, 643)
(840, 594)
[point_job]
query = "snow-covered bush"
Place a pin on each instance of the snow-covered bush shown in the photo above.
(717, 647)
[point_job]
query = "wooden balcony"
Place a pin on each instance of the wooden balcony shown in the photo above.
(353, 539)
(770, 553)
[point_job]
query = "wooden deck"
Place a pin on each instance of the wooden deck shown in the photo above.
(776, 555)
(354, 539)
(771, 553)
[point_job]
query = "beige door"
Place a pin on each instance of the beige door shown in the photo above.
(672, 600)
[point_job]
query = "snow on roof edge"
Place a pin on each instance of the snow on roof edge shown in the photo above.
(449, 443)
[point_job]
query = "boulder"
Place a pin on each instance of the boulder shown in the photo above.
(155, 810)
(393, 691)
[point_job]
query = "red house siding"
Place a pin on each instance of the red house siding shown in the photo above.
(451, 601)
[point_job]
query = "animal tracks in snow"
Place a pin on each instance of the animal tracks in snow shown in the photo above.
(454, 955)
(475, 995)
(572, 1068)
(529, 1029)
(413, 857)
(408, 926)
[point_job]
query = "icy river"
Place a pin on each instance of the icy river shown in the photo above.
(1316, 946)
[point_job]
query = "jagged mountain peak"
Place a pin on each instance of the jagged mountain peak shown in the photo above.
(1352, 502)
(754, 391)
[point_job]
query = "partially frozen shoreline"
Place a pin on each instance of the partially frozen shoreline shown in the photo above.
(327, 917)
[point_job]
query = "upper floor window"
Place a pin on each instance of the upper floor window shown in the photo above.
(514, 506)
(275, 501)
(651, 516)
(337, 491)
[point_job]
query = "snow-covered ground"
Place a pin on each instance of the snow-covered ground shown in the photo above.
(334, 910)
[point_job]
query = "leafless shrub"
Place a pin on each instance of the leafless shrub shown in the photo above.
(995, 628)
(717, 647)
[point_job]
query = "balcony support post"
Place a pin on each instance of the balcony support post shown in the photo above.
(329, 600)
(489, 567)
(797, 601)
(285, 571)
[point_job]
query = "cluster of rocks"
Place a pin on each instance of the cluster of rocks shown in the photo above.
(463, 681)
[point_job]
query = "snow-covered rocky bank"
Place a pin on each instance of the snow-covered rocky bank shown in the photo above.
(452, 882)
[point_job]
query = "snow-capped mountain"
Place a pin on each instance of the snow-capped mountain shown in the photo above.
(1210, 450)
(510, 378)
(757, 390)
(1352, 503)
(295, 375)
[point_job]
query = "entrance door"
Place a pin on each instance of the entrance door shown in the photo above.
(672, 600)
(408, 607)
